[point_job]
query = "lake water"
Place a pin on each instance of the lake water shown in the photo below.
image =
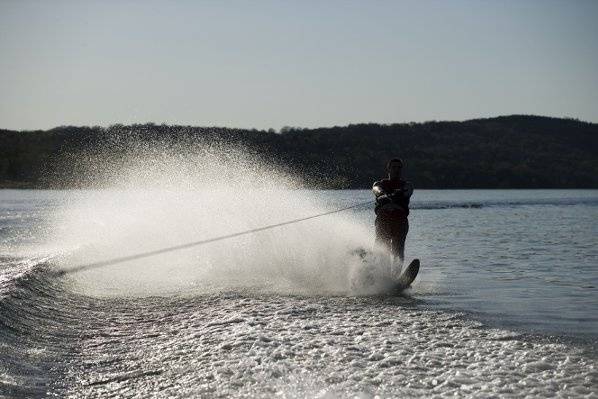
(506, 302)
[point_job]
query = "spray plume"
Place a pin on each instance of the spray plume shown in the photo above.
(162, 195)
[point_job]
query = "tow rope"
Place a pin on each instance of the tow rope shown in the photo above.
(122, 259)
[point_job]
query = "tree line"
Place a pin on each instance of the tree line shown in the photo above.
(517, 151)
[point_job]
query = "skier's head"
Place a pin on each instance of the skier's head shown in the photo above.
(394, 167)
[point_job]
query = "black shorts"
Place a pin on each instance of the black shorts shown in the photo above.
(391, 229)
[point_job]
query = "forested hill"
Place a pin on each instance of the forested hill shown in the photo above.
(505, 152)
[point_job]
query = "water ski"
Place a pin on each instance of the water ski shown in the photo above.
(408, 275)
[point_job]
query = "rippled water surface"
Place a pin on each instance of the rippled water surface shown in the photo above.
(506, 303)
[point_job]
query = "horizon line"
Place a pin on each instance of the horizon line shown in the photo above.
(301, 127)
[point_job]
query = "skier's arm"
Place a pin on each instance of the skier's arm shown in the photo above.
(382, 197)
(406, 191)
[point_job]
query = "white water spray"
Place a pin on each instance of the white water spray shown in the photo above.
(160, 199)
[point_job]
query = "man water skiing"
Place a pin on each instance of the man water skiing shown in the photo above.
(392, 208)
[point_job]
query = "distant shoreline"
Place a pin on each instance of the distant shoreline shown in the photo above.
(506, 152)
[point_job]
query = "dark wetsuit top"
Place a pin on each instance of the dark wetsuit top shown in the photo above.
(387, 187)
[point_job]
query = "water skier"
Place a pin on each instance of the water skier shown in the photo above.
(392, 209)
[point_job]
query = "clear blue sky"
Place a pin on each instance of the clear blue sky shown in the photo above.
(299, 63)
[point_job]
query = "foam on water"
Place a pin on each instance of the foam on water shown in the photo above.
(240, 346)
